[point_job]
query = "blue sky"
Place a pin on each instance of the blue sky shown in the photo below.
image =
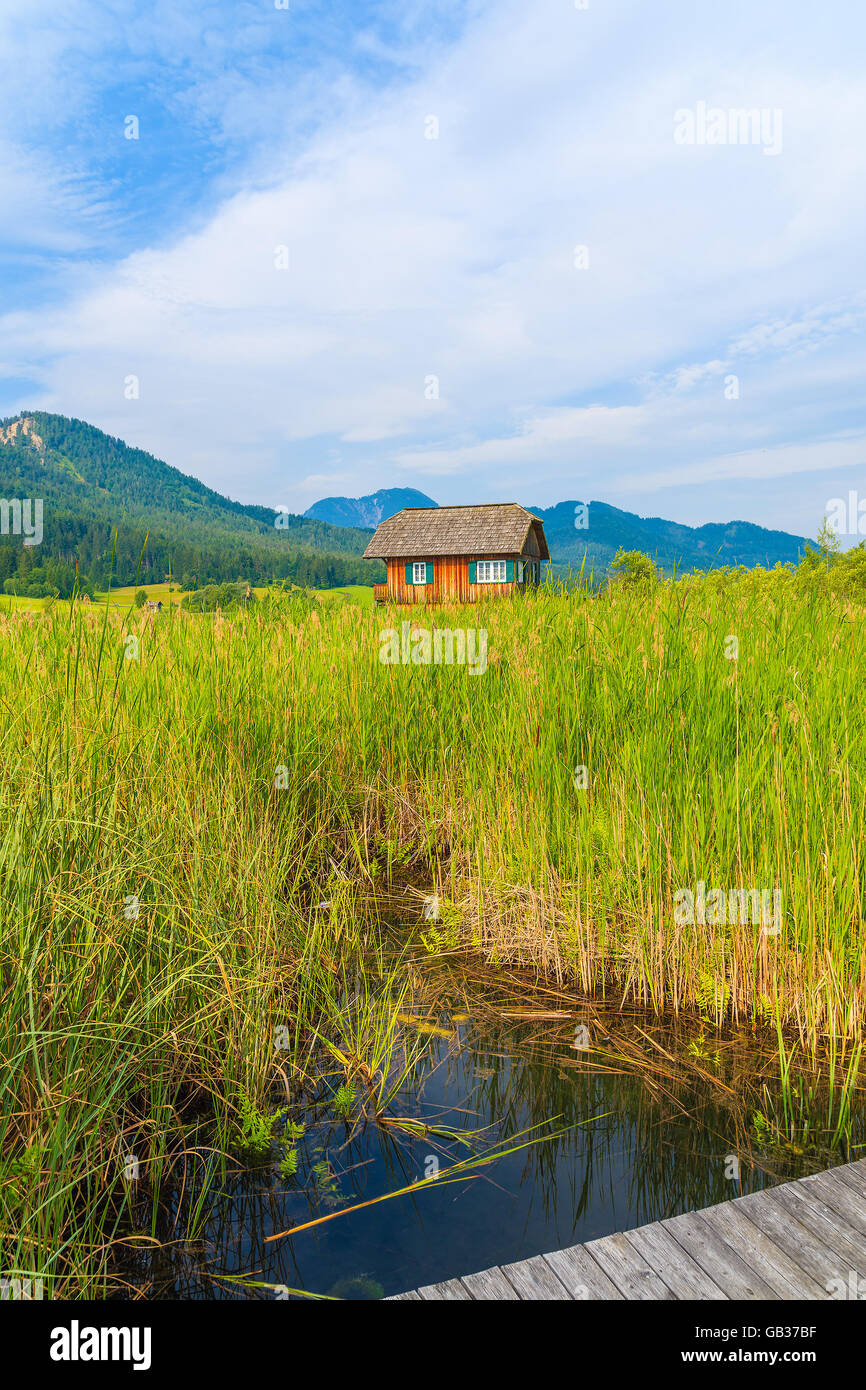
(316, 297)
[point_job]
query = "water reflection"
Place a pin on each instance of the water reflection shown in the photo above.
(654, 1120)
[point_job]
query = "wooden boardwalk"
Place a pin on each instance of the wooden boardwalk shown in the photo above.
(803, 1239)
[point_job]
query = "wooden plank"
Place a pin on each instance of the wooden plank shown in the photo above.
(412, 1295)
(762, 1253)
(535, 1281)
(676, 1268)
(789, 1242)
(827, 1225)
(716, 1257)
(580, 1274)
(490, 1283)
(854, 1174)
(627, 1269)
(850, 1205)
(797, 1241)
(451, 1290)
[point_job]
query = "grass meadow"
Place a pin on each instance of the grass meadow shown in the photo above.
(198, 813)
(361, 594)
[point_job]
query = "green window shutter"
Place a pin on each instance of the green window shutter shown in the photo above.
(473, 571)
(509, 571)
(408, 573)
(429, 575)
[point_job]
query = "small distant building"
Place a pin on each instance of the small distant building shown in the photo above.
(458, 554)
(155, 605)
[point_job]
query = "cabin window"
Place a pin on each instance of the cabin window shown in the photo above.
(519, 570)
(491, 571)
(418, 572)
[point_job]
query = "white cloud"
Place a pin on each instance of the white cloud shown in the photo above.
(453, 257)
(783, 460)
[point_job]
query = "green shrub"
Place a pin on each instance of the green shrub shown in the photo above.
(634, 570)
(214, 596)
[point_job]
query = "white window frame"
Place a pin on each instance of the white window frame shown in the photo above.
(520, 570)
(491, 571)
(419, 565)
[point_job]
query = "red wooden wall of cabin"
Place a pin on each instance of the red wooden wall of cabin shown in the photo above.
(450, 582)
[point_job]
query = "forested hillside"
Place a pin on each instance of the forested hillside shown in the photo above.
(110, 508)
(597, 531)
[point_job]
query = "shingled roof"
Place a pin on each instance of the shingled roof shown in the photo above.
(497, 528)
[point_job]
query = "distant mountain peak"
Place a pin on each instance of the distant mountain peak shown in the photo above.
(367, 511)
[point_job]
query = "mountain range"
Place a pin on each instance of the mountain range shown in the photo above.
(597, 530)
(671, 545)
(118, 512)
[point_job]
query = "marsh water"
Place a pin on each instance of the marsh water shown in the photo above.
(603, 1119)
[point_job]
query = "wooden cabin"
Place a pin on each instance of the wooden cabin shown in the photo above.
(458, 554)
